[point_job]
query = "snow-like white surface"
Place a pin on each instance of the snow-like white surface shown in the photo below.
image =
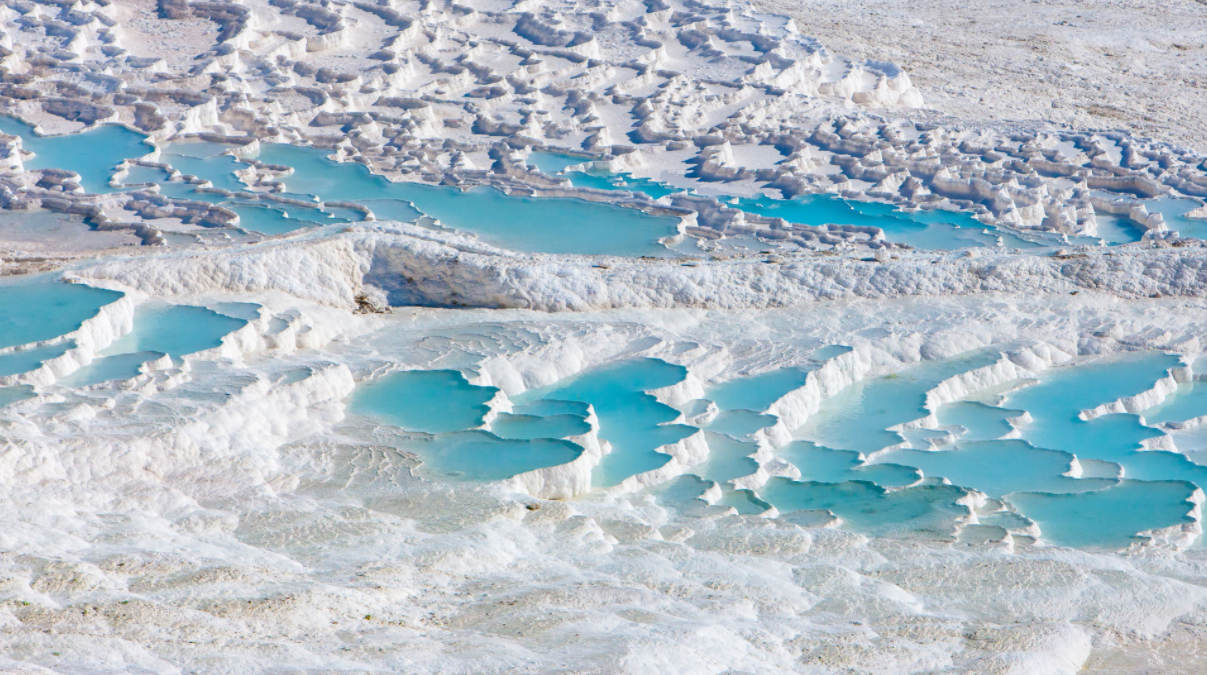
(225, 513)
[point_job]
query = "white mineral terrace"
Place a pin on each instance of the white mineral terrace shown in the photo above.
(656, 336)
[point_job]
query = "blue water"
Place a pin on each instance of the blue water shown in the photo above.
(623, 181)
(1062, 393)
(981, 422)
(1174, 211)
(757, 392)
(681, 493)
(998, 468)
(858, 417)
(175, 330)
(745, 502)
(1187, 402)
(1095, 511)
(544, 225)
(936, 230)
(107, 146)
(159, 330)
(431, 401)
(36, 309)
(109, 368)
(555, 163)
(218, 169)
(871, 508)
(25, 360)
(826, 465)
(1109, 518)
(481, 456)
(547, 407)
(634, 422)
(270, 220)
(740, 423)
(524, 427)
(850, 466)
(247, 311)
(1117, 229)
(254, 216)
(728, 459)
(11, 395)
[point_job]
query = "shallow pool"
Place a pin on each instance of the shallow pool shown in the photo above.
(632, 420)
(482, 456)
(430, 401)
(159, 330)
(93, 154)
(537, 225)
(935, 230)
(41, 308)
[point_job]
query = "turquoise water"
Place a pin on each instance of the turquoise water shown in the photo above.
(159, 330)
(728, 459)
(481, 456)
(746, 502)
(254, 216)
(431, 401)
(247, 311)
(11, 395)
(269, 220)
(741, 423)
(1117, 229)
(936, 230)
(757, 392)
(634, 422)
(539, 225)
(1120, 229)
(998, 468)
(1187, 402)
(37, 309)
(1062, 393)
(858, 417)
(175, 330)
(25, 360)
(868, 507)
(196, 149)
(825, 465)
(1108, 518)
(1174, 211)
(681, 493)
(546, 407)
(1096, 511)
(555, 163)
(981, 422)
(846, 466)
(107, 146)
(525, 427)
(623, 181)
(109, 368)
(218, 169)
(933, 230)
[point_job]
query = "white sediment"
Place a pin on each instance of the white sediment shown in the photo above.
(225, 514)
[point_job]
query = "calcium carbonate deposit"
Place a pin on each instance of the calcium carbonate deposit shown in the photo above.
(621, 336)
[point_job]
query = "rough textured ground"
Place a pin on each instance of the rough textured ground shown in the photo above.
(1114, 64)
